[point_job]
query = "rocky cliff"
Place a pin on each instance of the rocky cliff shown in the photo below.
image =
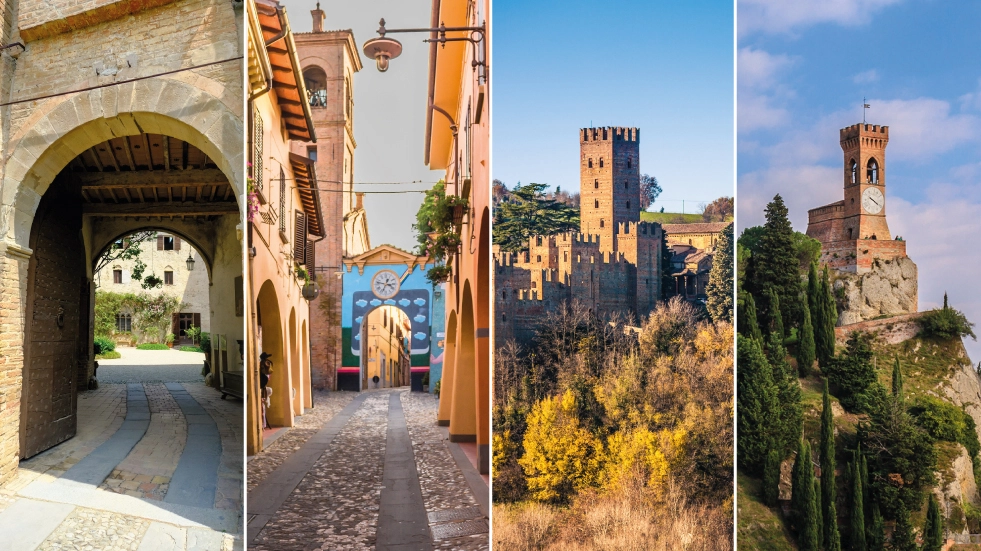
(888, 289)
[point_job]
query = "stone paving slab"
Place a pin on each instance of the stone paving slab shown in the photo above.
(164, 537)
(91, 529)
(195, 480)
(401, 517)
(42, 518)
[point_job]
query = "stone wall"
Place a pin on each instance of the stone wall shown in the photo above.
(892, 330)
(889, 288)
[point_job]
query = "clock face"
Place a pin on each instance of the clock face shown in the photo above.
(385, 284)
(873, 200)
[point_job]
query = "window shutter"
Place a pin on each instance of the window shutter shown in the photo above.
(197, 320)
(175, 324)
(310, 259)
(257, 174)
(160, 242)
(300, 238)
(282, 201)
(177, 242)
(125, 276)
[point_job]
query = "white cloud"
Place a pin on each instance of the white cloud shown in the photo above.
(802, 187)
(758, 68)
(972, 100)
(758, 93)
(866, 77)
(786, 16)
(757, 111)
(922, 128)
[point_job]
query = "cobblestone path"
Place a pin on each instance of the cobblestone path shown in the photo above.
(70, 502)
(364, 471)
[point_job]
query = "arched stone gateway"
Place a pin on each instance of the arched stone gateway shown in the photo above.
(79, 172)
(391, 276)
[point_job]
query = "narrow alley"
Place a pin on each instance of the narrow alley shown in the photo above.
(369, 470)
(155, 464)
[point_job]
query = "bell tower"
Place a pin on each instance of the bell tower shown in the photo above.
(864, 148)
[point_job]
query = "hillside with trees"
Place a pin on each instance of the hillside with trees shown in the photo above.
(858, 441)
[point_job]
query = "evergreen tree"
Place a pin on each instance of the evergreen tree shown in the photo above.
(747, 320)
(828, 489)
(824, 327)
(933, 531)
(858, 540)
(897, 381)
(668, 283)
(719, 288)
(756, 405)
(805, 345)
(852, 373)
(771, 478)
(778, 264)
(814, 298)
(787, 424)
(803, 500)
(875, 534)
(529, 212)
(774, 320)
(818, 518)
(902, 535)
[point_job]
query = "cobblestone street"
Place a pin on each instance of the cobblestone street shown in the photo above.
(153, 466)
(368, 470)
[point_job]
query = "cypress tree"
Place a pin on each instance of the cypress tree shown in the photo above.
(933, 531)
(818, 518)
(788, 423)
(902, 535)
(805, 345)
(875, 534)
(826, 326)
(815, 306)
(804, 500)
(832, 540)
(756, 405)
(771, 478)
(828, 489)
(897, 381)
(858, 509)
(774, 320)
(777, 262)
(720, 284)
(747, 321)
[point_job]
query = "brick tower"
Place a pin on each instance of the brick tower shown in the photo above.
(864, 147)
(330, 60)
(609, 181)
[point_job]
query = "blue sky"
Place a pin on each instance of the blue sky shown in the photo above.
(389, 110)
(665, 67)
(804, 68)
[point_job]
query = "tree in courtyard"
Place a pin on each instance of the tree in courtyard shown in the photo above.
(828, 466)
(805, 344)
(719, 289)
(529, 213)
(757, 405)
(803, 500)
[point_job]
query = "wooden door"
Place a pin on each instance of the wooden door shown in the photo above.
(52, 333)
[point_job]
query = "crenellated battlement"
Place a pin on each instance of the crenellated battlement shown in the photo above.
(867, 135)
(609, 133)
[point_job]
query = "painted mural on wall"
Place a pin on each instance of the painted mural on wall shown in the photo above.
(439, 336)
(385, 275)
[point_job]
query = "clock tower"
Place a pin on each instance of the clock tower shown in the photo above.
(864, 148)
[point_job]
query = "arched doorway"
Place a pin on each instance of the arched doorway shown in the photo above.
(385, 345)
(449, 370)
(463, 415)
(278, 412)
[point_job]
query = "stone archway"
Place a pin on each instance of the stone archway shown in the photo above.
(463, 415)
(279, 411)
(296, 367)
(449, 372)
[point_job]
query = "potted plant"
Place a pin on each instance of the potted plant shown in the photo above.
(436, 388)
(169, 340)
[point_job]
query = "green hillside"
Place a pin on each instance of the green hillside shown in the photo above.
(672, 218)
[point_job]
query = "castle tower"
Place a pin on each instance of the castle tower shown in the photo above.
(609, 181)
(330, 59)
(864, 148)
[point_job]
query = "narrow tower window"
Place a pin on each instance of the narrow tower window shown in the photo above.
(596, 204)
(595, 184)
(601, 162)
(590, 163)
(854, 172)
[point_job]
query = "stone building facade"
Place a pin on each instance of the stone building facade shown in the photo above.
(876, 277)
(612, 265)
(165, 257)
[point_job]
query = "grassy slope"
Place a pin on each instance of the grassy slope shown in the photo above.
(926, 364)
(671, 217)
(759, 526)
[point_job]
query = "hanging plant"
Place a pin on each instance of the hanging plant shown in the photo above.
(437, 228)
(152, 282)
(301, 273)
(252, 206)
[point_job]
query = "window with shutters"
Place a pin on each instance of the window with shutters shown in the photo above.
(282, 201)
(309, 257)
(168, 242)
(300, 238)
(257, 150)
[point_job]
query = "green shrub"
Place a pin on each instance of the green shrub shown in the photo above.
(186, 348)
(205, 342)
(152, 346)
(113, 355)
(425, 378)
(945, 421)
(946, 323)
(104, 344)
